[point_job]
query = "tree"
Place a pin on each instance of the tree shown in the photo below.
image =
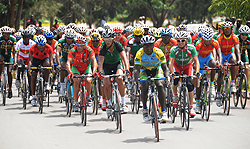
(229, 8)
(18, 14)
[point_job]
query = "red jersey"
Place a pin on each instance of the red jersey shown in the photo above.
(41, 54)
(204, 50)
(123, 41)
(165, 48)
(227, 43)
(95, 49)
(194, 37)
(81, 60)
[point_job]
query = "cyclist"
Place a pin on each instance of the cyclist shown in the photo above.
(146, 29)
(62, 49)
(18, 35)
(150, 61)
(129, 31)
(23, 46)
(79, 62)
(166, 42)
(111, 57)
(61, 31)
(134, 44)
(8, 46)
(205, 49)
(182, 57)
(82, 31)
(183, 27)
(40, 53)
(52, 42)
(244, 43)
(220, 31)
(119, 37)
(229, 44)
(100, 30)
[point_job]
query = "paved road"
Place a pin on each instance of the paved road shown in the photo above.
(53, 129)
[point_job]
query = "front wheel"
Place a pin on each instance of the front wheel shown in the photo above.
(226, 98)
(206, 102)
(244, 92)
(117, 111)
(236, 95)
(155, 118)
(4, 91)
(41, 92)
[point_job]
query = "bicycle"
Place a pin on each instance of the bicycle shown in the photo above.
(242, 87)
(4, 81)
(58, 88)
(69, 96)
(153, 104)
(205, 96)
(95, 95)
(24, 84)
(40, 86)
(115, 98)
(169, 101)
(135, 98)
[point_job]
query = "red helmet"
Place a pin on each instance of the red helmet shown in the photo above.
(117, 30)
(81, 39)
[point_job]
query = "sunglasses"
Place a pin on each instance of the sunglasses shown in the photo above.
(95, 40)
(140, 36)
(80, 45)
(147, 46)
(118, 34)
(166, 37)
(49, 38)
(108, 39)
(244, 34)
(227, 27)
(183, 40)
(69, 38)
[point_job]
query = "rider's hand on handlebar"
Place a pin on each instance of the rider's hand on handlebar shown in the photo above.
(70, 75)
(127, 72)
(198, 74)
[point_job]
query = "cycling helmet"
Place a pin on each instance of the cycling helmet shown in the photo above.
(117, 30)
(81, 39)
(26, 32)
(220, 24)
(70, 33)
(145, 26)
(32, 25)
(40, 40)
(81, 29)
(227, 24)
(201, 27)
(182, 27)
(147, 39)
(49, 34)
(100, 29)
(71, 25)
(6, 29)
(13, 30)
(93, 30)
(61, 29)
(95, 36)
(181, 34)
(18, 35)
(193, 32)
(166, 31)
(244, 29)
(129, 29)
(20, 30)
(207, 33)
(138, 25)
(138, 31)
(151, 32)
(108, 33)
(158, 33)
(106, 26)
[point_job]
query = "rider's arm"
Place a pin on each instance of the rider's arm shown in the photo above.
(14, 54)
(218, 55)
(123, 57)
(197, 64)
(100, 63)
(51, 60)
(137, 72)
(165, 69)
(30, 61)
(171, 65)
(237, 51)
(68, 64)
(128, 52)
(58, 51)
(93, 61)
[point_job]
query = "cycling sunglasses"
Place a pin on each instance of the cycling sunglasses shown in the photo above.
(95, 40)
(80, 45)
(49, 38)
(244, 34)
(166, 37)
(140, 36)
(183, 40)
(227, 27)
(69, 38)
(147, 46)
(108, 39)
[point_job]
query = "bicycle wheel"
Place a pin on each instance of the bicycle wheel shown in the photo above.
(138, 101)
(227, 94)
(244, 92)
(70, 99)
(236, 95)
(155, 118)
(133, 98)
(41, 96)
(169, 101)
(4, 89)
(93, 98)
(97, 93)
(202, 101)
(117, 111)
(48, 92)
(206, 102)
(67, 104)
(185, 109)
(84, 107)
(24, 92)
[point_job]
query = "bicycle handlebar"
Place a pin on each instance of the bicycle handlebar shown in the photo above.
(41, 67)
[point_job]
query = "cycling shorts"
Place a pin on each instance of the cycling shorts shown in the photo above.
(109, 69)
(205, 60)
(227, 57)
(155, 73)
(62, 59)
(25, 59)
(188, 69)
(8, 58)
(244, 58)
(77, 70)
(36, 62)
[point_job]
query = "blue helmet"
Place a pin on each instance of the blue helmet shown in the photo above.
(40, 40)
(49, 34)
(166, 31)
(182, 27)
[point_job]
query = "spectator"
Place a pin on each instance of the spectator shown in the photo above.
(56, 24)
(103, 21)
(40, 24)
(84, 23)
(31, 21)
(238, 25)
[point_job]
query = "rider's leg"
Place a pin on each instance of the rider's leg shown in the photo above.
(233, 68)
(76, 86)
(19, 70)
(47, 71)
(161, 93)
(121, 86)
(63, 74)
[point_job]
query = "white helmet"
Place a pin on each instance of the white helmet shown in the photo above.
(106, 26)
(244, 29)
(70, 33)
(100, 29)
(108, 33)
(6, 29)
(61, 29)
(181, 34)
(18, 35)
(81, 29)
(147, 39)
(40, 40)
(207, 33)
(71, 25)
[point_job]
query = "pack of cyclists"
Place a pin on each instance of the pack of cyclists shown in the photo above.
(164, 52)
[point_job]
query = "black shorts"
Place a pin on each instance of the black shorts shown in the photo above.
(110, 69)
(36, 62)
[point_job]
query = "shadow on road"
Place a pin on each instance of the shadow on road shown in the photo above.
(70, 124)
(176, 129)
(16, 108)
(145, 140)
(111, 131)
(54, 116)
(99, 120)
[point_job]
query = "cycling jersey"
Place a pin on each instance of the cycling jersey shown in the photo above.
(114, 57)
(37, 54)
(95, 49)
(165, 47)
(204, 50)
(123, 41)
(65, 48)
(53, 45)
(189, 39)
(134, 46)
(150, 62)
(23, 50)
(81, 60)
(243, 49)
(184, 56)
(7, 47)
(216, 35)
(227, 43)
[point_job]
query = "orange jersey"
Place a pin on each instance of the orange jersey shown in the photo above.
(204, 50)
(53, 45)
(95, 49)
(165, 48)
(227, 43)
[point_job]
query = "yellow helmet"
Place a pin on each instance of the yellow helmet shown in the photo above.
(220, 24)
(138, 31)
(95, 36)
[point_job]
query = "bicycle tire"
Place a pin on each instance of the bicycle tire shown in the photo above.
(48, 92)
(41, 96)
(117, 111)
(181, 106)
(227, 94)
(203, 100)
(24, 92)
(168, 103)
(244, 91)
(93, 98)
(236, 95)
(4, 92)
(70, 106)
(187, 109)
(138, 100)
(133, 98)
(67, 104)
(155, 118)
(97, 93)
(206, 103)
(82, 105)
